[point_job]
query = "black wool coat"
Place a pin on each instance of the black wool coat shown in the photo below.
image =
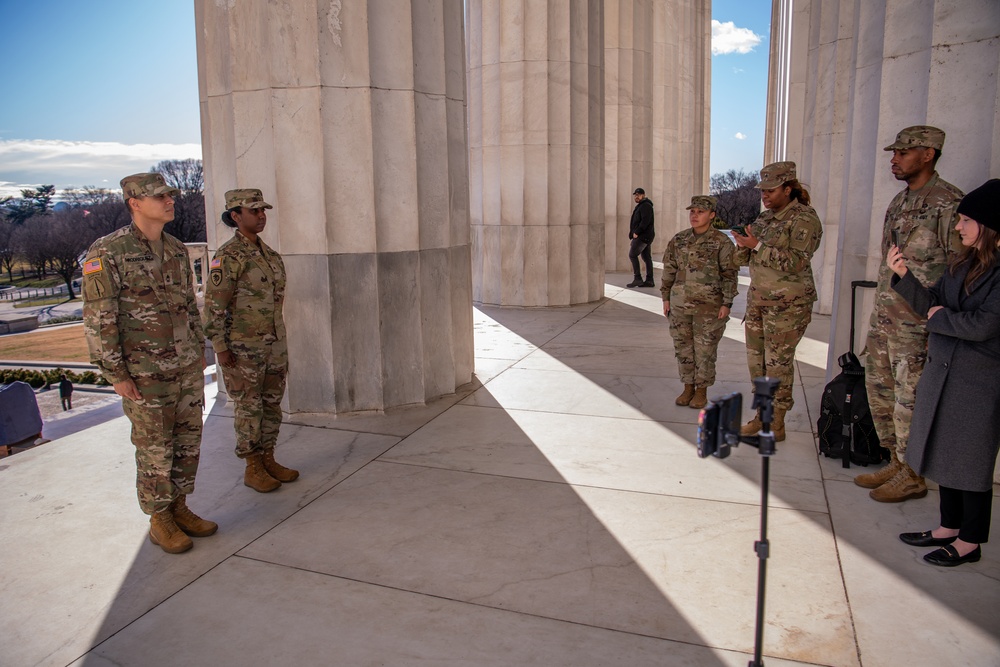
(955, 430)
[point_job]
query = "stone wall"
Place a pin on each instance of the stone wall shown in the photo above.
(845, 78)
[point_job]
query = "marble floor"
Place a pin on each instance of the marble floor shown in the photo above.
(554, 512)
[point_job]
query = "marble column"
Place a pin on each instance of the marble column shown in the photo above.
(351, 118)
(628, 118)
(682, 80)
(536, 140)
(845, 77)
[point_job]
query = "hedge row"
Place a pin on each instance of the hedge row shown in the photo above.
(40, 378)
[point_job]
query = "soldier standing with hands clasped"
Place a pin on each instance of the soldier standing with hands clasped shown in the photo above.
(921, 221)
(698, 286)
(144, 333)
(243, 320)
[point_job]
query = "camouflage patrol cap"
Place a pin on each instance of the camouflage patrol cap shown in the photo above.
(246, 197)
(775, 174)
(704, 202)
(918, 136)
(146, 185)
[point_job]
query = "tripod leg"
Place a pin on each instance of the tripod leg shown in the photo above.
(762, 547)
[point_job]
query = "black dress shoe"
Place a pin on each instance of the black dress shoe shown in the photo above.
(635, 283)
(948, 556)
(648, 283)
(925, 539)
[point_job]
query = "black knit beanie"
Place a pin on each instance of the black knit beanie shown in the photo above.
(983, 204)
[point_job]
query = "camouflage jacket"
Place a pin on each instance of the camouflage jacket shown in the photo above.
(925, 220)
(698, 272)
(781, 271)
(139, 313)
(245, 294)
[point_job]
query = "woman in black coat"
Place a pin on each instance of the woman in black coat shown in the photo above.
(955, 430)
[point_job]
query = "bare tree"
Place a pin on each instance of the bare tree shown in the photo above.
(89, 195)
(189, 218)
(189, 206)
(185, 175)
(103, 218)
(738, 198)
(67, 238)
(31, 243)
(6, 246)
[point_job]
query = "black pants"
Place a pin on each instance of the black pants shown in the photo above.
(969, 511)
(67, 403)
(645, 250)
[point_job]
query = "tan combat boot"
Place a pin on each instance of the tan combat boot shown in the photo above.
(188, 521)
(873, 480)
(700, 399)
(276, 470)
(778, 424)
(905, 484)
(685, 398)
(164, 533)
(753, 426)
(256, 476)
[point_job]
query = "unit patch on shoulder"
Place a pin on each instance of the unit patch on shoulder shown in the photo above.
(92, 266)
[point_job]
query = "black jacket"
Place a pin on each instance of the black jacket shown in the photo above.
(642, 221)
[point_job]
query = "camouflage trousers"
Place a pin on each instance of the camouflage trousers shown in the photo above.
(696, 345)
(772, 334)
(896, 356)
(166, 432)
(257, 385)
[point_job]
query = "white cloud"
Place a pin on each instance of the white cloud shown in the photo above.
(727, 38)
(69, 164)
(740, 136)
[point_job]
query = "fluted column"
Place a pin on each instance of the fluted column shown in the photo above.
(682, 76)
(845, 78)
(628, 118)
(351, 118)
(536, 139)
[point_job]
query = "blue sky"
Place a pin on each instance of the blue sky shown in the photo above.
(98, 89)
(739, 83)
(95, 90)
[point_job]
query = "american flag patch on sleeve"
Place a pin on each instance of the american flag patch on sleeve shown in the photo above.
(216, 263)
(92, 266)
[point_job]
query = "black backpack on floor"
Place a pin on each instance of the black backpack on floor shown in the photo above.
(845, 426)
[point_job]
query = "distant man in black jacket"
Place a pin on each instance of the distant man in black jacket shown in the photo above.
(65, 392)
(640, 233)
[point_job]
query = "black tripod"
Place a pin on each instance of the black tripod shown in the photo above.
(763, 400)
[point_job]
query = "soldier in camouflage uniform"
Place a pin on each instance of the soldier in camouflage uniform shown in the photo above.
(243, 320)
(698, 286)
(778, 247)
(143, 331)
(923, 217)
